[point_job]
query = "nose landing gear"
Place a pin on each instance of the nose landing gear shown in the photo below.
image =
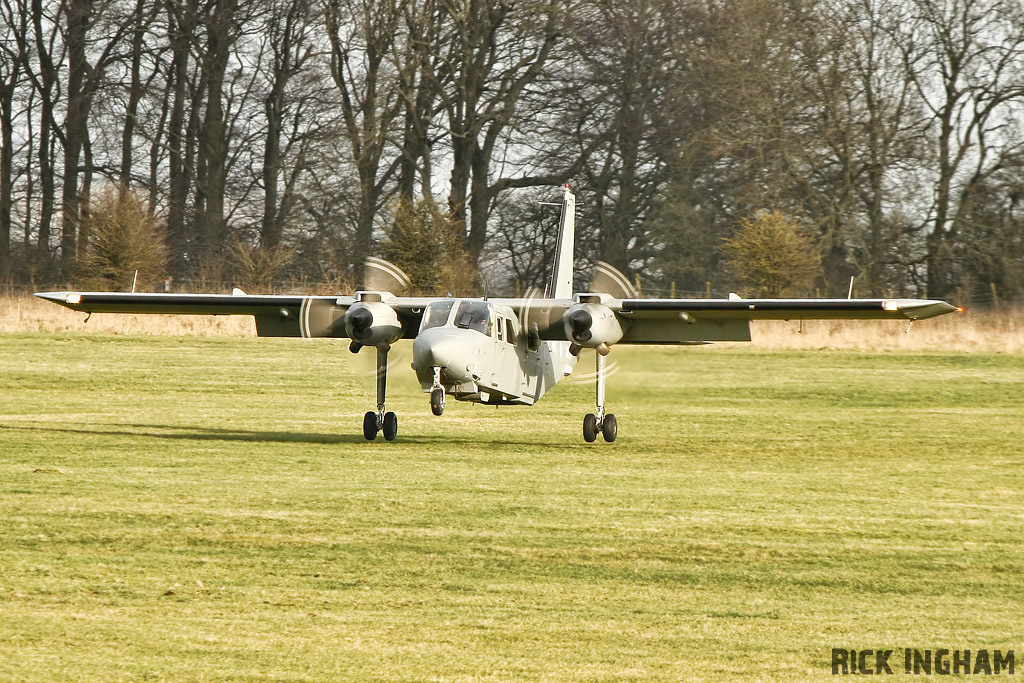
(437, 394)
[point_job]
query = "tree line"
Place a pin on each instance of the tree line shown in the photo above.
(286, 140)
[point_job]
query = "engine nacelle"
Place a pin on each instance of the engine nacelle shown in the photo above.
(371, 323)
(592, 325)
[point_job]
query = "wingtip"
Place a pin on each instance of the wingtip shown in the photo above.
(921, 309)
(69, 299)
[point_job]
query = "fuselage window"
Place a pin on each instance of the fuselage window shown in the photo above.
(510, 335)
(474, 315)
(436, 314)
(500, 328)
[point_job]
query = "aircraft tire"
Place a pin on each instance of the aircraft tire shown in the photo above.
(609, 428)
(437, 401)
(390, 427)
(370, 425)
(590, 428)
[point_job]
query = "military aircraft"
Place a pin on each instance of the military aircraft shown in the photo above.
(501, 351)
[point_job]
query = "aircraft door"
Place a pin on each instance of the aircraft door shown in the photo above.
(507, 376)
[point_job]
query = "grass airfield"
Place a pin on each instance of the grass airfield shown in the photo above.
(206, 509)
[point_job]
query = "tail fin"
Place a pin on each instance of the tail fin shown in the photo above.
(562, 273)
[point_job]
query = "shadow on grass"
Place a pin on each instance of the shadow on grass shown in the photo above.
(192, 433)
(197, 433)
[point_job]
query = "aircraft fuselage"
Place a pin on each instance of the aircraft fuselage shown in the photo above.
(483, 355)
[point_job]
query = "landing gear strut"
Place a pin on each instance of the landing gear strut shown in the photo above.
(607, 425)
(437, 394)
(381, 421)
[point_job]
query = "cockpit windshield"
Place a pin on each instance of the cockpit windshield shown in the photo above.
(474, 315)
(436, 314)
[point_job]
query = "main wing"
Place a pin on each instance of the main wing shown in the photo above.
(673, 321)
(277, 315)
(630, 321)
(690, 321)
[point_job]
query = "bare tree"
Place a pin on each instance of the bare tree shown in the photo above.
(495, 51)
(362, 34)
(630, 59)
(967, 57)
(13, 23)
(418, 64)
(287, 32)
(890, 126)
(182, 23)
(48, 49)
(222, 27)
(83, 80)
(139, 23)
(864, 133)
(992, 235)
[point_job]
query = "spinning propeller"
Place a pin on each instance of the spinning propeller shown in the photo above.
(383, 276)
(608, 279)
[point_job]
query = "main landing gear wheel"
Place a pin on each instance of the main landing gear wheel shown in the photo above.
(390, 426)
(373, 423)
(609, 428)
(437, 401)
(590, 428)
(370, 425)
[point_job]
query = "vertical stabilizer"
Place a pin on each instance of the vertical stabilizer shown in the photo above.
(561, 275)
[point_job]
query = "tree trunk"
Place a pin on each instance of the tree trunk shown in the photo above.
(75, 128)
(213, 143)
(287, 43)
(180, 17)
(135, 92)
(6, 178)
(47, 184)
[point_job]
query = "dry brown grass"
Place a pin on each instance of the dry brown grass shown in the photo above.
(978, 331)
(30, 314)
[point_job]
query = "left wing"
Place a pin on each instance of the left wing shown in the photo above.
(669, 321)
(593, 320)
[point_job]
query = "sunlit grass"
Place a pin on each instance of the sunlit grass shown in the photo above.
(182, 509)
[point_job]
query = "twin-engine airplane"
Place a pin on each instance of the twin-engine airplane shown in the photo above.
(501, 351)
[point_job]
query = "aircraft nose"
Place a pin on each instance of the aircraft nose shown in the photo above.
(443, 351)
(435, 354)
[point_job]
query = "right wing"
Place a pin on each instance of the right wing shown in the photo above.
(277, 315)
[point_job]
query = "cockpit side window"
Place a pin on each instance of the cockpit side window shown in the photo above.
(436, 314)
(474, 315)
